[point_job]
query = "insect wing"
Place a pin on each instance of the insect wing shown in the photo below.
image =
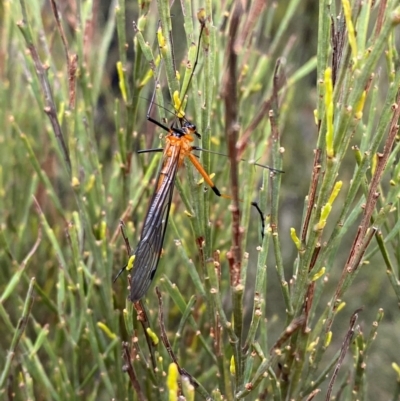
(149, 248)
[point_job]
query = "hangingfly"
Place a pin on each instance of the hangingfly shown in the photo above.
(147, 254)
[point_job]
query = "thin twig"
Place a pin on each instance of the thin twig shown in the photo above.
(164, 336)
(50, 107)
(311, 194)
(338, 41)
(166, 342)
(381, 14)
(168, 347)
(216, 329)
(229, 94)
(343, 351)
(126, 212)
(311, 287)
(33, 249)
(244, 139)
(128, 367)
(72, 60)
(256, 11)
(144, 321)
(288, 332)
(313, 394)
(18, 333)
(125, 238)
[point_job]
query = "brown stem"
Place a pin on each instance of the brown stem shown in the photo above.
(144, 321)
(167, 344)
(128, 367)
(288, 332)
(229, 94)
(72, 59)
(311, 194)
(343, 351)
(50, 107)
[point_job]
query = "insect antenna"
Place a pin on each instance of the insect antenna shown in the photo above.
(272, 169)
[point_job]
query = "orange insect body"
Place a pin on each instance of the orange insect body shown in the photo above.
(177, 148)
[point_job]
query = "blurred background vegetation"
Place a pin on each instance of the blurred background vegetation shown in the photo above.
(75, 87)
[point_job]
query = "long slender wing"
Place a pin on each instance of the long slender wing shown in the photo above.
(149, 248)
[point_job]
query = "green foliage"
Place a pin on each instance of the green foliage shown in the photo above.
(241, 317)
